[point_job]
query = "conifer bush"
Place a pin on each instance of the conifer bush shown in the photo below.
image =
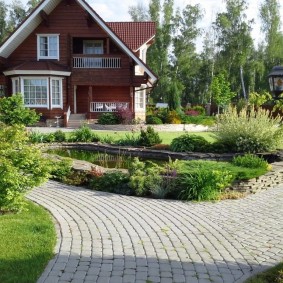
(249, 130)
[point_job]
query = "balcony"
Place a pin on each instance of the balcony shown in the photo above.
(108, 106)
(88, 62)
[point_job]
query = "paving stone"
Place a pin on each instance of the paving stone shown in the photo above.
(107, 237)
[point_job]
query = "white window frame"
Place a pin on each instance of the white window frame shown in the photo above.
(94, 42)
(48, 56)
(140, 99)
(46, 105)
(60, 105)
(16, 85)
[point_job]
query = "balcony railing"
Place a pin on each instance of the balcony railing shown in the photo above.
(96, 63)
(108, 106)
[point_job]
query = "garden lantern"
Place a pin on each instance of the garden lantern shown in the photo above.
(275, 78)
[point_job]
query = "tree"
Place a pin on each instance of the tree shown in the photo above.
(235, 44)
(158, 53)
(174, 94)
(139, 13)
(22, 167)
(3, 24)
(13, 111)
(31, 4)
(221, 92)
(17, 14)
(186, 62)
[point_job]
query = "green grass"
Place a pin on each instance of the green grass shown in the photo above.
(240, 173)
(27, 244)
(272, 275)
(166, 137)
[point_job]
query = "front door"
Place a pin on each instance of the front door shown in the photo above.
(82, 99)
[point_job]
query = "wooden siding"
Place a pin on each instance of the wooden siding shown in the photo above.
(70, 22)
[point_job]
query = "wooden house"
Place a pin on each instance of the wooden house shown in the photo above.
(65, 60)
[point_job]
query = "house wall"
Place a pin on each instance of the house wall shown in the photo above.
(70, 21)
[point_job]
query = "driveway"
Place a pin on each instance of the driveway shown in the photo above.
(104, 237)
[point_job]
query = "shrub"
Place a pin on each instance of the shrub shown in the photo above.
(249, 130)
(149, 137)
(36, 137)
(60, 136)
(22, 167)
(173, 117)
(113, 182)
(128, 140)
(250, 161)
(84, 134)
(124, 115)
(187, 142)
(204, 184)
(13, 111)
(144, 178)
(108, 119)
(61, 169)
(153, 120)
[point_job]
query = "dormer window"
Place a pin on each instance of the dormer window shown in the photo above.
(48, 46)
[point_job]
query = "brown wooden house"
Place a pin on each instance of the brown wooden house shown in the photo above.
(64, 59)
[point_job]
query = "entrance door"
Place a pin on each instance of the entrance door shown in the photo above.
(82, 99)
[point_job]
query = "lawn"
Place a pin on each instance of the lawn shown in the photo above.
(166, 137)
(27, 244)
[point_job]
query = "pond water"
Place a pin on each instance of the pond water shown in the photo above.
(103, 159)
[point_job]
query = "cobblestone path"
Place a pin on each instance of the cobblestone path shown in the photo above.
(105, 237)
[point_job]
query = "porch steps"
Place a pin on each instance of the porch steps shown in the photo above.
(76, 120)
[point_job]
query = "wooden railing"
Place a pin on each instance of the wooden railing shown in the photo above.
(108, 106)
(96, 62)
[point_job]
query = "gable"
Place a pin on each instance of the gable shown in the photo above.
(46, 7)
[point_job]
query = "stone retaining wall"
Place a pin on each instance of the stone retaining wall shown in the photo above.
(268, 180)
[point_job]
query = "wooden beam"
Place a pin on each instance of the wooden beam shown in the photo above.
(45, 18)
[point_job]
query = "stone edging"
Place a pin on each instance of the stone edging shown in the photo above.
(261, 183)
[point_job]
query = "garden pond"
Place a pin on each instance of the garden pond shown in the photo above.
(103, 159)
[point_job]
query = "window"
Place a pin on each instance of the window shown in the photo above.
(140, 99)
(48, 47)
(16, 85)
(93, 47)
(56, 92)
(38, 92)
(35, 92)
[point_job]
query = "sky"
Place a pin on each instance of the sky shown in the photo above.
(115, 10)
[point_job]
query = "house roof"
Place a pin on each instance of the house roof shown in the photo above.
(134, 34)
(47, 6)
(39, 68)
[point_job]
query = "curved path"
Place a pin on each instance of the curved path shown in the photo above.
(105, 237)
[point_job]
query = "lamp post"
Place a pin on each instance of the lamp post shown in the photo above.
(275, 78)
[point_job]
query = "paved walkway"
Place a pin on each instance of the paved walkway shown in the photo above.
(111, 238)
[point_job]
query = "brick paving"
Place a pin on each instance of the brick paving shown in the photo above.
(109, 238)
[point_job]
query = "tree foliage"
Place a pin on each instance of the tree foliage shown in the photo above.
(13, 111)
(22, 167)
